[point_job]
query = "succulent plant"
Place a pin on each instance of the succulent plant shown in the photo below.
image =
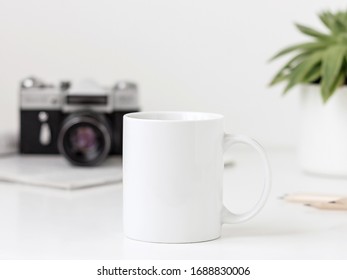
(322, 60)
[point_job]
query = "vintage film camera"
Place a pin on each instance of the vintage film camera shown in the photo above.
(83, 122)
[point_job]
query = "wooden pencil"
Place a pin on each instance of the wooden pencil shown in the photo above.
(342, 201)
(307, 198)
(328, 206)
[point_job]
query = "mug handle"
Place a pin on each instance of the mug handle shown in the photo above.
(229, 217)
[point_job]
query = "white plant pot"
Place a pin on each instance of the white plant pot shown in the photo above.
(323, 143)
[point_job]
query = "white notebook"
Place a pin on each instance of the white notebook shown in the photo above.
(56, 172)
(8, 143)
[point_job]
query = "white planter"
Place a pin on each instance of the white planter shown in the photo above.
(323, 143)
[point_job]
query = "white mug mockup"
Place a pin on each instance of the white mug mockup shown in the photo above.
(173, 176)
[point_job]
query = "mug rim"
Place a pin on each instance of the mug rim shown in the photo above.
(152, 116)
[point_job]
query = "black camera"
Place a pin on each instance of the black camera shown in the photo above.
(83, 122)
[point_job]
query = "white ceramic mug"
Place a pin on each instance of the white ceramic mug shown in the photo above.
(173, 176)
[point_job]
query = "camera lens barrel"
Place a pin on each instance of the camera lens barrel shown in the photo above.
(85, 139)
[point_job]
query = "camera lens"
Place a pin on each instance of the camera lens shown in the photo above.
(85, 139)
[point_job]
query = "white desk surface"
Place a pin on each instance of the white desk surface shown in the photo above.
(41, 223)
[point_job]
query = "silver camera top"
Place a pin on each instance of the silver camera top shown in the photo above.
(32, 82)
(86, 95)
(36, 95)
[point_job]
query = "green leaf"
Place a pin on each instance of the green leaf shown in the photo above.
(279, 77)
(313, 75)
(339, 82)
(336, 23)
(331, 70)
(341, 18)
(303, 69)
(339, 27)
(328, 20)
(282, 74)
(307, 47)
(311, 32)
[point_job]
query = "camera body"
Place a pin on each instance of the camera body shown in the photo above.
(84, 122)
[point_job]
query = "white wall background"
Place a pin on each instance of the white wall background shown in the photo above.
(199, 55)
